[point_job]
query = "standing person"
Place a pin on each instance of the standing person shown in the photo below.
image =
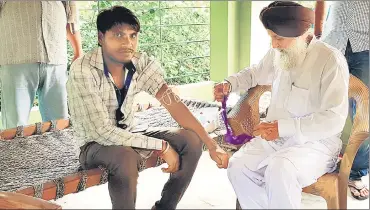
(347, 29)
(101, 88)
(33, 57)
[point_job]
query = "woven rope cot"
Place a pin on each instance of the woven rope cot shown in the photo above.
(41, 160)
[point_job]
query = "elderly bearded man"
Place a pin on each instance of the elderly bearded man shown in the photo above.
(299, 142)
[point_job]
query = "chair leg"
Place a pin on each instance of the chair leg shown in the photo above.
(238, 207)
(332, 203)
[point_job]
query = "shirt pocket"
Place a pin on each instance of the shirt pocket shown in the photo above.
(297, 101)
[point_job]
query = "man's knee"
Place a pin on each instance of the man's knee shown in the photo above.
(124, 164)
(235, 168)
(194, 144)
(280, 168)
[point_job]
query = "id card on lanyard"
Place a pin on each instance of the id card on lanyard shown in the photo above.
(131, 71)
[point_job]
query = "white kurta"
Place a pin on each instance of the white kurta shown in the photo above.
(310, 104)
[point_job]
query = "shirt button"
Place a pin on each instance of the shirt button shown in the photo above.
(124, 126)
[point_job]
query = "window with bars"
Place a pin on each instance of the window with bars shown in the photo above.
(177, 33)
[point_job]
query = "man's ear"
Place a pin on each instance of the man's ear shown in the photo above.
(100, 37)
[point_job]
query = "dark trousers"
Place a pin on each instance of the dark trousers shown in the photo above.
(122, 164)
(358, 64)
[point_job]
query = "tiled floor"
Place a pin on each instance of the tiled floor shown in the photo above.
(209, 189)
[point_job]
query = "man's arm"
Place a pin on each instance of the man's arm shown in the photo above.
(75, 40)
(182, 115)
(155, 85)
(261, 74)
(334, 105)
(88, 110)
(73, 33)
(319, 17)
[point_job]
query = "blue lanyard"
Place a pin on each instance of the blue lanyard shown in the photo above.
(131, 71)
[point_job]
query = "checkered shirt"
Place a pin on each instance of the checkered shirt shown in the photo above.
(92, 101)
(348, 20)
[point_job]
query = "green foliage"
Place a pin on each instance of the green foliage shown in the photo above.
(176, 33)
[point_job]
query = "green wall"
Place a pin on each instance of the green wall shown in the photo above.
(230, 37)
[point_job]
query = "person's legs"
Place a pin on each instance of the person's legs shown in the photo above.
(283, 186)
(53, 93)
(19, 85)
(358, 64)
(295, 168)
(359, 169)
(248, 185)
(245, 177)
(122, 164)
(360, 165)
(189, 147)
(287, 172)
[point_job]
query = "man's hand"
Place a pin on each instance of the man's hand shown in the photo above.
(268, 131)
(171, 157)
(76, 56)
(219, 156)
(220, 90)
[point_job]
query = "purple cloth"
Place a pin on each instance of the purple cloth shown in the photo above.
(229, 136)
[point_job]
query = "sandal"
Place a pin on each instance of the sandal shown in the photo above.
(356, 186)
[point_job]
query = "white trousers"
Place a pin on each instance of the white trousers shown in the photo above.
(277, 185)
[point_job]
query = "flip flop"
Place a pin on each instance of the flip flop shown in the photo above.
(356, 186)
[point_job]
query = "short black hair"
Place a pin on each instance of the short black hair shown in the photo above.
(116, 15)
(283, 4)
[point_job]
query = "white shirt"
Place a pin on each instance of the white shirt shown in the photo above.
(309, 102)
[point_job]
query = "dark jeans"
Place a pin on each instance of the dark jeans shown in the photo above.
(122, 164)
(358, 64)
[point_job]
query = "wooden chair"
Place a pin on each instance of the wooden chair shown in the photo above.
(333, 186)
(9, 200)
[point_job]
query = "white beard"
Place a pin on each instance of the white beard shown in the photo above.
(287, 59)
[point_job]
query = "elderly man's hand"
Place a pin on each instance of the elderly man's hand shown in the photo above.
(267, 130)
(220, 90)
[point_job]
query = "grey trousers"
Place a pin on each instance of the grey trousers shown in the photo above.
(122, 164)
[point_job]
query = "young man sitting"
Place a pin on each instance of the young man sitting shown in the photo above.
(101, 88)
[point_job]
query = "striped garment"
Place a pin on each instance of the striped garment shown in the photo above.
(35, 31)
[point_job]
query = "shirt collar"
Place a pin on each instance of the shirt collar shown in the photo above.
(97, 61)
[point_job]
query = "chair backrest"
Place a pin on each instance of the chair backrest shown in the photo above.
(360, 93)
(245, 114)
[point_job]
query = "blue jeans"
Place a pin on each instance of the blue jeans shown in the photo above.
(21, 82)
(358, 64)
